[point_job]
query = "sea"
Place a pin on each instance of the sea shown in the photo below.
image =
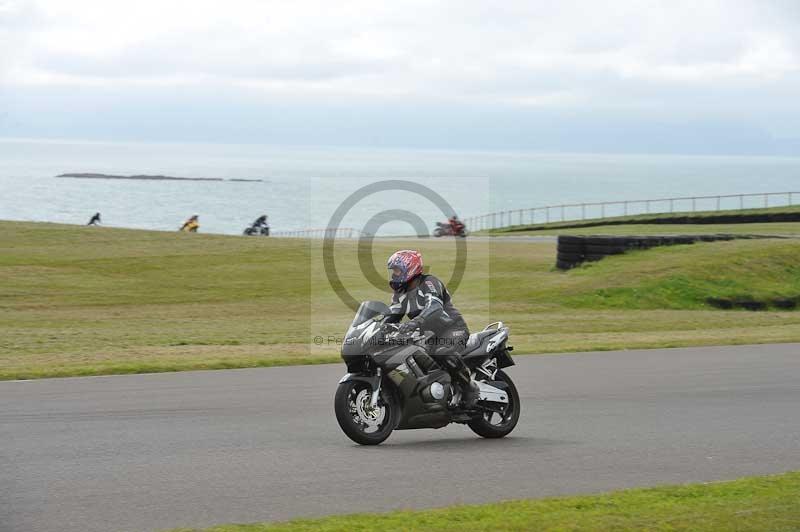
(391, 191)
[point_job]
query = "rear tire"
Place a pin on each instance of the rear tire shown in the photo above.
(357, 421)
(483, 425)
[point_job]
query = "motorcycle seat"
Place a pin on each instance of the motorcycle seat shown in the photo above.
(477, 341)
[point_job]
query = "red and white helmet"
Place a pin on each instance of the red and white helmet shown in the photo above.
(409, 265)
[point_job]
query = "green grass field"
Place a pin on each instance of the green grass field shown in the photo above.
(87, 301)
(771, 229)
(758, 504)
(664, 224)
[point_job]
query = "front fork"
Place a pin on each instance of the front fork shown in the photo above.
(373, 381)
(377, 390)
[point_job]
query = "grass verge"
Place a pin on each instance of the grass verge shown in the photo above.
(92, 301)
(790, 229)
(768, 503)
(772, 221)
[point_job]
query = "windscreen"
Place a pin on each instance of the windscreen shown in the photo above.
(368, 310)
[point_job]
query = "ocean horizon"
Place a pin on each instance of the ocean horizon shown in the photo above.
(301, 187)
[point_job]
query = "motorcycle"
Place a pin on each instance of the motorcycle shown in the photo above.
(256, 230)
(446, 229)
(190, 227)
(394, 383)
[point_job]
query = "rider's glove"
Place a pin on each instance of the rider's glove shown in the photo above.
(409, 327)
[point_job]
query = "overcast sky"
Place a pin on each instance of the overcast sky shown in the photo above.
(621, 76)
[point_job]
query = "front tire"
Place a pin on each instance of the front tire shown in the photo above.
(361, 423)
(438, 232)
(495, 424)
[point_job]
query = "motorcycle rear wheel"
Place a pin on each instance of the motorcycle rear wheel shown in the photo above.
(496, 425)
(362, 424)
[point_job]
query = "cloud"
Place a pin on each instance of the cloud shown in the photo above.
(682, 58)
(17, 18)
(423, 47)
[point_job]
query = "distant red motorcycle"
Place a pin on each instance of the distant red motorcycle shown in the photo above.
(450, 229)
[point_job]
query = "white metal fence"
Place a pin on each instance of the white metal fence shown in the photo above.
(610, 209)
(342, 232)
(588, 211)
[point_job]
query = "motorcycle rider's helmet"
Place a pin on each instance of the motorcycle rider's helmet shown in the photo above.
(405, 266)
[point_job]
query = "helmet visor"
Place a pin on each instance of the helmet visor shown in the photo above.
(397, 273)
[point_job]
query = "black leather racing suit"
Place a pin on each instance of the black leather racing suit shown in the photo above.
(429, 305)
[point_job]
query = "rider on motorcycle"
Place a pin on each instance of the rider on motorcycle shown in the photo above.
(455, 224)
(426, 301)
(191, 225)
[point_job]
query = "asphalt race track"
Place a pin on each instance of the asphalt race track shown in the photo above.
(148, 452)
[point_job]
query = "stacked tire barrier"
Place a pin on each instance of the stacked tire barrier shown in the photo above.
(573, 250)
(750, 303)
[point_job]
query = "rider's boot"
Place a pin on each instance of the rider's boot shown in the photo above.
(460, 373)
(470, 394)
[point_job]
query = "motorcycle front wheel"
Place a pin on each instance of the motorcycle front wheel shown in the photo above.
(359, 421)
(438, 232)
(496, 424)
